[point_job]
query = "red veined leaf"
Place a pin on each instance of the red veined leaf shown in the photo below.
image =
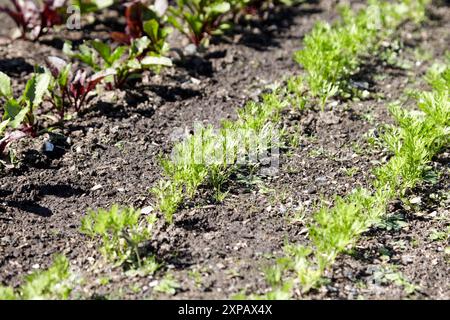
(121, 37)
(56, 65)
(133, 15)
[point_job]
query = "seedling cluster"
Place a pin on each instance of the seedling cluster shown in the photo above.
(333, 53)
(54, 283)
(209, 157)
(122, 232)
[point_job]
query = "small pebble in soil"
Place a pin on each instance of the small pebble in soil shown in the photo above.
(96, 187)
(321, 180)
(416, 200)
(147, 210)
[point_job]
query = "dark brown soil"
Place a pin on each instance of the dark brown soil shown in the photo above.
(217, 250)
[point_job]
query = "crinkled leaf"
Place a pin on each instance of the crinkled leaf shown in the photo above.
(36, 88)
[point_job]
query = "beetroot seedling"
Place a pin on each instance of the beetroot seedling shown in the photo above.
(142, 21)
(121, 63)
(34, 20)
(19, 113)
(71, 89)
(200, 19)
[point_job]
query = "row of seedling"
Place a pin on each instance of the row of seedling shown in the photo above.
(413, 141)
(332, 53)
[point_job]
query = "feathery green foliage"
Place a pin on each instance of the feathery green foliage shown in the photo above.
(211, 156)
(52, 283)
(418, 136)
(333, 53)
(122, 232)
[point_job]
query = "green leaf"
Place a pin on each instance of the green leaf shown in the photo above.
(64, 75)
(133, 64)
(87, 55)
(12, 108)
(5, 86)
(174, 22)
(18, 119)
(103, 50)
(7, 293)
(36, 88)
(139, 45)
(102, 4)
(222, 7)
(156, 61)
(118, 53)
(67, 49)
(195, 24)
(3, 126)
(151, 28)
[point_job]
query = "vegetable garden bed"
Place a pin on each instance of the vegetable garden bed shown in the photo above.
(229, 241)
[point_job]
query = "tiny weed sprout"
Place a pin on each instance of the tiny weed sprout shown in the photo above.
(389, 274)
(34, 19)
(123, 234)
(19, 113)
(68, 89)
(199, 19)
(53, 283)
(167, 285)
